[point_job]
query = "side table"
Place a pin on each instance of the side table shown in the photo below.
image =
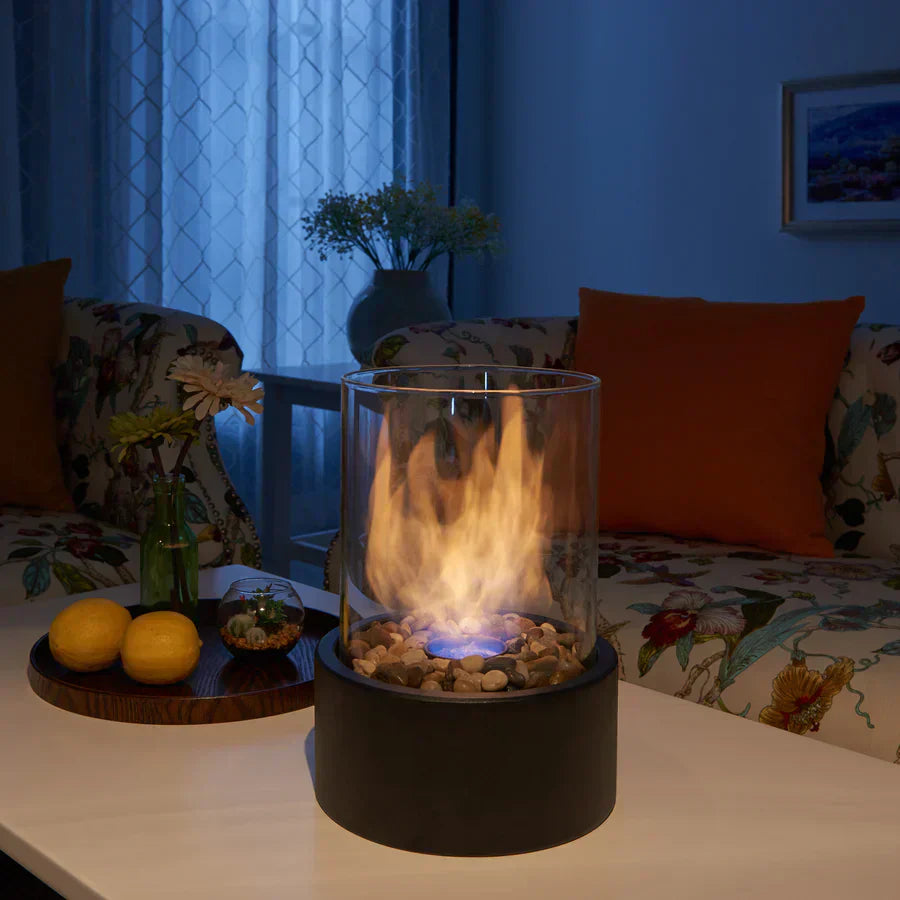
(317, 387)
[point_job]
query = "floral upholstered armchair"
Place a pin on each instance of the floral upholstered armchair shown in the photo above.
(807, 645)
(114, 358)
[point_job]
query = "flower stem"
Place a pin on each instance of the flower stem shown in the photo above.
(157, 459)
(176, 471)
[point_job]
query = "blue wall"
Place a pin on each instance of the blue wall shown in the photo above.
(635, 146)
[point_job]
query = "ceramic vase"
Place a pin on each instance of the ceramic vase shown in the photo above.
(395, 298)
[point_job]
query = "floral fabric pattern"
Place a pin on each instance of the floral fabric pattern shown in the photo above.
(862, 459)
(807, 645)
(54, 554)
(542, 343)
(114, 358)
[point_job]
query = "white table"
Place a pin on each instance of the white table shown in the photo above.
(709, 806)
(318, 387)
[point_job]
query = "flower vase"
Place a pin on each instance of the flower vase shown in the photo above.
(396, 298)
(169, 552)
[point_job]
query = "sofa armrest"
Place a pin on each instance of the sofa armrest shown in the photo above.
(545, 342)
(114, 357)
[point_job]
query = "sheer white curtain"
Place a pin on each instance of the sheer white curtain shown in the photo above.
(171, 147)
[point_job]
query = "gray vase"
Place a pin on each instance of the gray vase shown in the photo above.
(396, 298)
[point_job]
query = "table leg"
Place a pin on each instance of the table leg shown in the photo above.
(274, 479)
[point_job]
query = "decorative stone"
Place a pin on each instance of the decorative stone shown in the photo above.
(413, 656)
(501, 663)
(543, 664)
(376, 636)
(391, 673)
(495, 680)
(536, 655)
(538, 679)
(511, 628)
(364, 667)
(472, 663)
(516, 678)
(358, 649)
(415, 674)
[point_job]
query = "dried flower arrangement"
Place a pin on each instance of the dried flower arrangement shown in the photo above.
(399, 227)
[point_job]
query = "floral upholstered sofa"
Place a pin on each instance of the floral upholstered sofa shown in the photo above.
(808, 645)
(113, 358)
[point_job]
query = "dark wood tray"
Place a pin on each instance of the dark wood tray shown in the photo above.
(221, 688)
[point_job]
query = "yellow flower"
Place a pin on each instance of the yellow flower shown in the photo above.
(801, 697)
(213, 387)
(162, 424)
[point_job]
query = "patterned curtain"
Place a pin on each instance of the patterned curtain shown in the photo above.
(171, 148)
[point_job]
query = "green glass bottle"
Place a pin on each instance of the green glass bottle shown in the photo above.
(169, 552)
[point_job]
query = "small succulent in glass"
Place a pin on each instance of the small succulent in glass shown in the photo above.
(260, 619)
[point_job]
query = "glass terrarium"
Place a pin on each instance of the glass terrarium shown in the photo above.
(260, 619)
(467, 658)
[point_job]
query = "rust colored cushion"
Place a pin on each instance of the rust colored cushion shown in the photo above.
(31, 305)
(713, 414)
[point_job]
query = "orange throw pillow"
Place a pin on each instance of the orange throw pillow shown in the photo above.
(31, 305)
(713, 414)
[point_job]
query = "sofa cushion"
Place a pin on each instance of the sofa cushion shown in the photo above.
(808, 645)
(862, 459)
(44, 554)
(31, 302)
(713, 414)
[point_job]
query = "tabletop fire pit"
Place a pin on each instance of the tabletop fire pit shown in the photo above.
(465, 706)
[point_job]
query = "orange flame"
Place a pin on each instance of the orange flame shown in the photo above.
(462, 545)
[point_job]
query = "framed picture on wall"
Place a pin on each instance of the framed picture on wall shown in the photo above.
(841, 153)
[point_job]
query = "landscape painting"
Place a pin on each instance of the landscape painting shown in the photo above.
(853, 153)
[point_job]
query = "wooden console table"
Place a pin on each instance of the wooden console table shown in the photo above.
(317, 387)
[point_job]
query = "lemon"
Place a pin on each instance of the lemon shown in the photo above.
(160, 648)
(87, 635)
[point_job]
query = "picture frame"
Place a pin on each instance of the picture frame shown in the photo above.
(841, 153)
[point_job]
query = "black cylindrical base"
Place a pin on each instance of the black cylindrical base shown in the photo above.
(463, 775)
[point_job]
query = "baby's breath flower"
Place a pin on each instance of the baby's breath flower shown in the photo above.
(408, 225)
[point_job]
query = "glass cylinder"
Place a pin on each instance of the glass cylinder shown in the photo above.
(169, 552)
(469, 523)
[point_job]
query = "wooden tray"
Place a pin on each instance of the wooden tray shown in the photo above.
(221, 688)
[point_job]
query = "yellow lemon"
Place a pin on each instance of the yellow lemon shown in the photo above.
(87, 635)
(160, 648)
